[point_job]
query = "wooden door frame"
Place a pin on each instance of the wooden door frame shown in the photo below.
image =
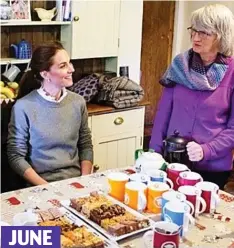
(152, 17)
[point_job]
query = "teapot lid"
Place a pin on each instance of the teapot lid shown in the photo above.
(23, 41)
(152, 156)
(176, 139)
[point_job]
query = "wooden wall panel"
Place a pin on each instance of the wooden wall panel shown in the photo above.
(157, 36)
(35, 35)
(87, 66)
(5, 41)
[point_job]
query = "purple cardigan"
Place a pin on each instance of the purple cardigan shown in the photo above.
(207, 117)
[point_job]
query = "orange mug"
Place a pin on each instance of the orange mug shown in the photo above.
(135, 195)
(154, 196)
(117, 181)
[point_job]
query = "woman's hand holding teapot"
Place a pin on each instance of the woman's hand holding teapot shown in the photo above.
(195, 151)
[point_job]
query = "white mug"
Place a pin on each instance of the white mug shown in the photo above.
(25, 219)
(12, 72)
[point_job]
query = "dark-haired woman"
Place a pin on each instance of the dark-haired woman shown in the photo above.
(49, 138)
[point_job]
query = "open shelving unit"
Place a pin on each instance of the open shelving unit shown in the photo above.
(5, 61)
(34, 31)
(33, 23)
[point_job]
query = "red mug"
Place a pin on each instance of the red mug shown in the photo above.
(173, 171)
(188, 178)
(210, 195)
(164, 234)
(193, 195)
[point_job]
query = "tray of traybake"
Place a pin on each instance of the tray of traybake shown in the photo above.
(113, 219)
(74, 231)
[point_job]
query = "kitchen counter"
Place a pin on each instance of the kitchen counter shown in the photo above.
(96, 109)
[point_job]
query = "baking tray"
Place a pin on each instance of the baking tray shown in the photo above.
(79, 222)
(66, 204)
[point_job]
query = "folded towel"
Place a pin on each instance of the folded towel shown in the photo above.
(119, 92)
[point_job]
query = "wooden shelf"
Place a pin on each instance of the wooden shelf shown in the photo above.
(33, 23)
(4, 61)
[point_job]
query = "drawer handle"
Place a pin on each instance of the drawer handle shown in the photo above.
(95, 168)
(118, 121)
(76, 18)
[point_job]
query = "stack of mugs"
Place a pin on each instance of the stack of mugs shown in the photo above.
(178, 194)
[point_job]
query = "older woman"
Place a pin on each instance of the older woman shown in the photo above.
(198, 98)
(49, 138)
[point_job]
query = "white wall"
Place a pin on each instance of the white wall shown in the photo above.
(131, 15)
(181, 40)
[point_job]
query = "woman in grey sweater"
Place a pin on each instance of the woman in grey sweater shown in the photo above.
(49, 138)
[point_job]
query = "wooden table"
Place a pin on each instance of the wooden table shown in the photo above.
(46, 196)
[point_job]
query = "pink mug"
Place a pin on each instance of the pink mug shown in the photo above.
(193, 195)
(164, 234)
(173, 171)
(210, 195)
(188, 178)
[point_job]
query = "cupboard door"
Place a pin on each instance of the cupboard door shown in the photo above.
(117, 151)
(95, 34)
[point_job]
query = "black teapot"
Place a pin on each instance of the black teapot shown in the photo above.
(174, 149)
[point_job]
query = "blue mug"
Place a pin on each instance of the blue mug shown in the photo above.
(173, 195)
(159, 176)
(179, 213)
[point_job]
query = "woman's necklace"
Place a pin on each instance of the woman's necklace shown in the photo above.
(56, 98)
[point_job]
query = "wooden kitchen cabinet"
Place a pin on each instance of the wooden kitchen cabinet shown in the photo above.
(116, 136)
(94, 30)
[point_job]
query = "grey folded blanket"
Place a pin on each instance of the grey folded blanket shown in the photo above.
(119, 92)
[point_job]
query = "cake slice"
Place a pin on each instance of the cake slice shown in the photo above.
(117, 229)
(77, 203)
(55, 213)
(46, 215)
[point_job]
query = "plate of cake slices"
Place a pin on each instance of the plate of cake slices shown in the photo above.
(74, 231)
(111, 218)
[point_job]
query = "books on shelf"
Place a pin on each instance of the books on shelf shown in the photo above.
(63, 10)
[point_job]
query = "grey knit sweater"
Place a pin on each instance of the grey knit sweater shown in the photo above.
(51, 137)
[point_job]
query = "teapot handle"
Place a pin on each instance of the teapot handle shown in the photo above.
(15, 50)
(7, 66)
(138, 152)
(55, 12)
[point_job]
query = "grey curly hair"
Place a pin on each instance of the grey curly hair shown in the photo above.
(217, 19)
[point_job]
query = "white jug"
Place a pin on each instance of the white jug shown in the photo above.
(148, 160)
